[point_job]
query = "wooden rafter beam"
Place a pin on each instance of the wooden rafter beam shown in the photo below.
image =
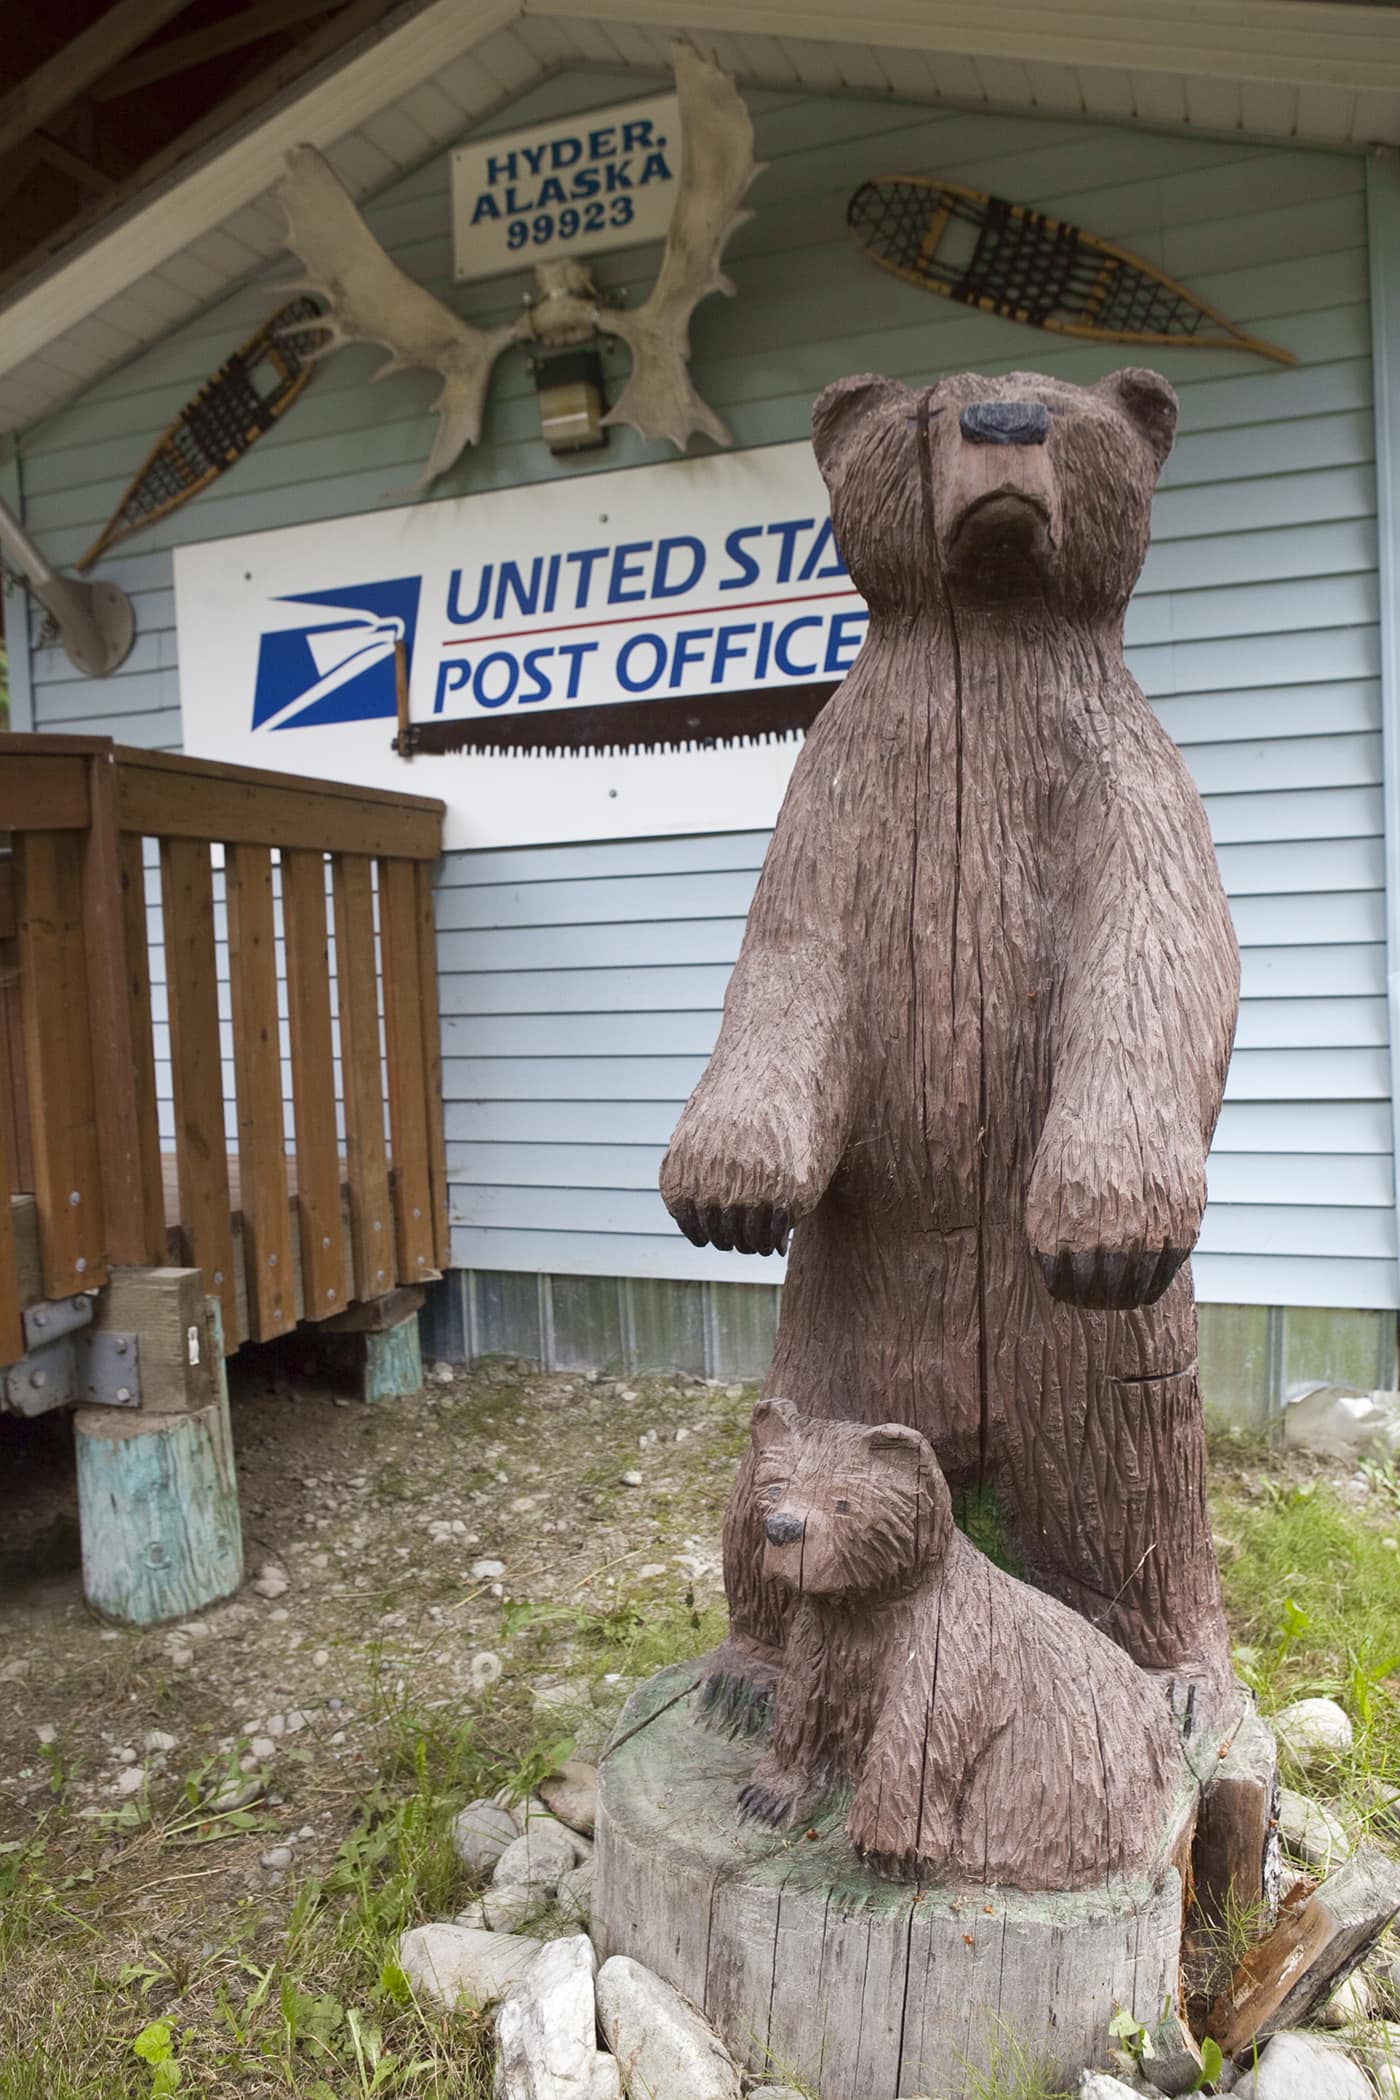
(248, 26)
(83, 59)
(73, 164)
(245, 100)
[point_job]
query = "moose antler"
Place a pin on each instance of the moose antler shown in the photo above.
(371, 300)
(717, 166)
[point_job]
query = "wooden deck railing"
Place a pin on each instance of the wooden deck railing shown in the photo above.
(279, 1231)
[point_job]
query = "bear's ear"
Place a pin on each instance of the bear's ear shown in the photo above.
(773, 1423)
(1149, 403)
(895, 1441)
(838, 412)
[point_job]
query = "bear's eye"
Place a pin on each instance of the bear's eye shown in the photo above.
(770, 1494)
(841, 1508)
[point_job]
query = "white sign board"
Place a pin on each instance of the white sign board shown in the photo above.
(606, 179)
(699, 576)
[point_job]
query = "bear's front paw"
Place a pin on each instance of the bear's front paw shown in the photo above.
(1112, 1215)
(727, 1183)
(1108, 1280)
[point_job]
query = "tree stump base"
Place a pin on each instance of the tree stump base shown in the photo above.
(814, 1968)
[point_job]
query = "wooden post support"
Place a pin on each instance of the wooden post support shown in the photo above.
(158, 1506)
(376, 1346)
(313, 1083)
(179, 1357)
(403, 1036)
(191, 969)
(366, 1156)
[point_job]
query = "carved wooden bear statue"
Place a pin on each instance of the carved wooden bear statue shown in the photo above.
(974, 1046)
(990, 1734)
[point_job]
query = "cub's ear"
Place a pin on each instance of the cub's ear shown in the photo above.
(838, 412)
(893, 1440)
(774, 1421)
(1148, 402)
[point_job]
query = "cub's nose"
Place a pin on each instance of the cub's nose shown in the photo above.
(783, 1529)
(1005, 423)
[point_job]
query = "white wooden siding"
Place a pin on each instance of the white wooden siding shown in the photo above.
(581, 984)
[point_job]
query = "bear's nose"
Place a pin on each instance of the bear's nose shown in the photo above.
(1005, 423)
(783, 1529)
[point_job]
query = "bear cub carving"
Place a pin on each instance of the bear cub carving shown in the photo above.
(989, 1733)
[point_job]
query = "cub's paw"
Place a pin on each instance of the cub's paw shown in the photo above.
(775, 1798)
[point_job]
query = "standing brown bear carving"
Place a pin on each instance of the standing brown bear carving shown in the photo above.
(974, 1045)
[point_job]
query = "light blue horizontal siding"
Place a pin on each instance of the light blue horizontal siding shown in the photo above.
(581, 984)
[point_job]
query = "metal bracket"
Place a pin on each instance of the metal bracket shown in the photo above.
(50, 1319)
(77, 1368)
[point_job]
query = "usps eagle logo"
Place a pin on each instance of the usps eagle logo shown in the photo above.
(337, 670)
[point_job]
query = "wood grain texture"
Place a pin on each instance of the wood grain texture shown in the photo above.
(196, 1073)
(11, 1324)
(313, 1081)
(975, 1043)
(58, 1063)
(404, 1023)
(366, 1155)
(989, 1734)
(814, 1967)
(262, 1159)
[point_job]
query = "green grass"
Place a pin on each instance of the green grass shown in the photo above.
(1312, 1588)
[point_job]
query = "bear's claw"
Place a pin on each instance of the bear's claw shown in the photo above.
(1108, 1282)
(767, 1804)
(739, 1228)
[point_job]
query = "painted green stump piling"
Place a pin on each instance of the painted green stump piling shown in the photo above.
(374, 1349)
(158, 1506)
(815, 1970)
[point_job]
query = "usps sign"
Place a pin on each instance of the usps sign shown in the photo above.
(603, 180)
(698, 576)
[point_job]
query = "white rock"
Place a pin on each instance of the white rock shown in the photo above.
(487, 1570)
(277, 1859)
(181, 1658)
(262, 1747)
(130, 1781)
(1298, 2066)
(1312, 1730)
(571, 1794)
(484, 1670)
(1310, 1832)
(631, 1479)
(1351, 2001)
(661, 2045)
(481, 1833)
(156, 1739)
(46, 1733)
(270, 1581)
(321, 1658)
(1378, 2045)
(451, 1965)
(538, 1860)
(575, 1896)
(1383, 1972)
(1098, 2085)
(547, 2029)
(443, 1374)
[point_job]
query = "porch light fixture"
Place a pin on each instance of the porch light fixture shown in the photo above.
(569, 388)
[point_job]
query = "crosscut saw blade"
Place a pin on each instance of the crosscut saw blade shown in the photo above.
(678, 723)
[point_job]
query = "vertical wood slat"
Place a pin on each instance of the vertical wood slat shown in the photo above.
(14, 1093)
(313, 1082)
(141, 1047)
(11, 1323)
(201, 1155)
(257, 1065)
(58, 1061)
(367, 1166)
(119, 1018)
(403, 1035)
(432, 1064)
